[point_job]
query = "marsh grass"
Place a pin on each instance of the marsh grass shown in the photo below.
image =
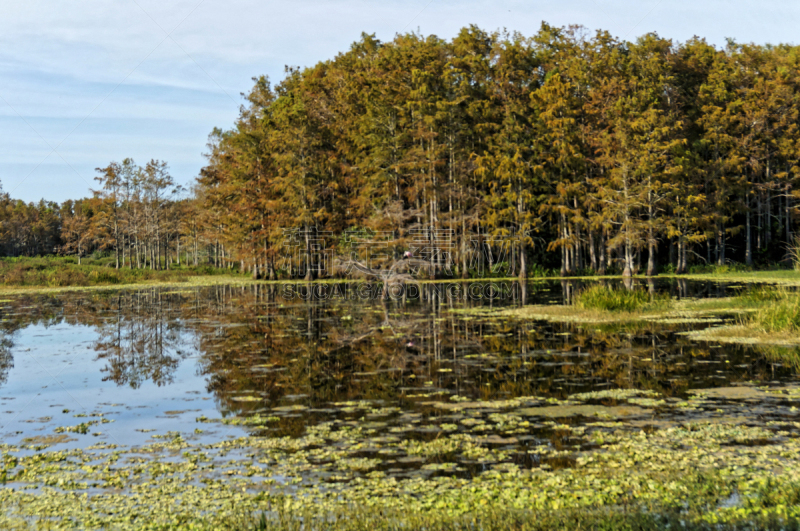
(638, 309)
(786, 277)
(760, 295)
(54, 272)
(604, 298)
(779, 313)
(768, 317)
(787, 355)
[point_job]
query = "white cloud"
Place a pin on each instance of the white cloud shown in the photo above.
(151, 97)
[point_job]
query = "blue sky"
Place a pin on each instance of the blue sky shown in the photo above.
(85, 82)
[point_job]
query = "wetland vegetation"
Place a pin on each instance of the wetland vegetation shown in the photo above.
(258, 407)
(60, 272)
(204, 382)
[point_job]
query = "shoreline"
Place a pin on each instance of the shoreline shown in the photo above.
(782, 278)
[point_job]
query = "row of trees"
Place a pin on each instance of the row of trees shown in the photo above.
(138, 215)
(581, 149)
(566, 149)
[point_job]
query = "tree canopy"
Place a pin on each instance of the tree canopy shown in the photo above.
(566, 149)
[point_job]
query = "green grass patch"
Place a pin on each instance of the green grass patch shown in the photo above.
(779, 314)
(604, 298)
(768, 317)
(785, 277)
(57, 272)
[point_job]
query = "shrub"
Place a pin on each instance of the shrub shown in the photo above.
(101, 276)
(668, 269)
(538, 270)
(713, 269)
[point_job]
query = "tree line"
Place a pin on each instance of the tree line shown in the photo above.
(569, 150)
(595, 153)
(138, 215)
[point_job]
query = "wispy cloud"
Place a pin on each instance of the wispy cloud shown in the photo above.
(58, 60)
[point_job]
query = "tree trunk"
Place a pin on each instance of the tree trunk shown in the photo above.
(628, 271)
(651, 260)
(601, 260)
(748, 239)
(759, 221)
(309, 269)
(592, 251)
(464, 247)
(788, 218)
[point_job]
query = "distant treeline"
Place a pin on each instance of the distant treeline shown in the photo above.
(137, 216)
(579, 151)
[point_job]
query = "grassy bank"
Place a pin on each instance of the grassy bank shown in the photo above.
(600, 304)
(64, 272)
(774, 320)
(786, 277)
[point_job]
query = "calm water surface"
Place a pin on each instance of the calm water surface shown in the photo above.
(154, 361)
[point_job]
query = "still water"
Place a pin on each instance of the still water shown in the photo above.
(123, 367)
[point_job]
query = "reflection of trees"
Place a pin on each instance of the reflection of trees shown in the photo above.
(18, 314)
(139, 332)
(339, 350)
(6, 360)
(251, 342)
(142, 339)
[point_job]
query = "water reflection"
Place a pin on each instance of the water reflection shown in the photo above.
(143, 340)
(6, 360)
(257, 347)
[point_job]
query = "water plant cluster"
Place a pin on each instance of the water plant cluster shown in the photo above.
(529, 459)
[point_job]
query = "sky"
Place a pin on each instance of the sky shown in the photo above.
(87, 82)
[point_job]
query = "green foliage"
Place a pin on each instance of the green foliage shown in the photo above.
(668, 269)
(539, 271)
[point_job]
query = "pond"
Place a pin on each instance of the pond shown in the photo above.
(332, 388)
